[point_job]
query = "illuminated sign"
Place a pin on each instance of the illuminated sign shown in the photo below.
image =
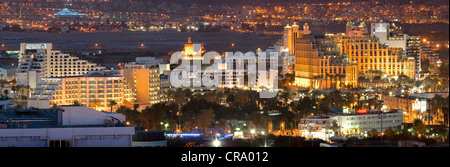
(239, 134)
(362, 111)
(423, 105)
(345, 110)
(12, 52)
(416, 105)
(381, 28)
(36, 46)
(420, 105)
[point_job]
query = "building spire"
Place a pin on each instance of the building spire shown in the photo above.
(189, 40)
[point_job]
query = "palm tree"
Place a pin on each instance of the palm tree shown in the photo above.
(28, 89)
(95, 103)
(135, 107)
(335, 126)
(5, 92)
(341, 78)
(14, 89)
(2, 82)
(321, 82)
(112, 103)
(286, 96)
(326, 80)
(436, 103)
(179, 96)
(305, 108)
(76, 103)
(315, 79)
(310, 129)
(333, 78)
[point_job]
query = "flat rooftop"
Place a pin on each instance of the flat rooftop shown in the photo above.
(41, 118)
(29, 118)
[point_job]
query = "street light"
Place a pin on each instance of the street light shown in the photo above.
(216, 143)
(252, 132)
(265, 138)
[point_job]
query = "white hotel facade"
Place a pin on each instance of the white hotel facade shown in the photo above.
(48, 63)
(351, 124)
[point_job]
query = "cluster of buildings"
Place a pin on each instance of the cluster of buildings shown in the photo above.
(338, 60)
(318, 62)
(56, 78)
(61, 79)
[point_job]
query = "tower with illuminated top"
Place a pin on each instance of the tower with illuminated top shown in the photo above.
(192, 49)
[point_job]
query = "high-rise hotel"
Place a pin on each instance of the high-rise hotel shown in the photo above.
(95, 90)
(49, 63)
(336, 60)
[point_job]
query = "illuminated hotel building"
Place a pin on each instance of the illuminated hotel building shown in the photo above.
(428, 54)
(191, 49)
(393, 37)
(144, 81)
(389, 34)
(319, 64)
(94, 90)
(291, 33)
(414, 49)
(335, 60)
(373, 56)
(232, 73)
(49, 63)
